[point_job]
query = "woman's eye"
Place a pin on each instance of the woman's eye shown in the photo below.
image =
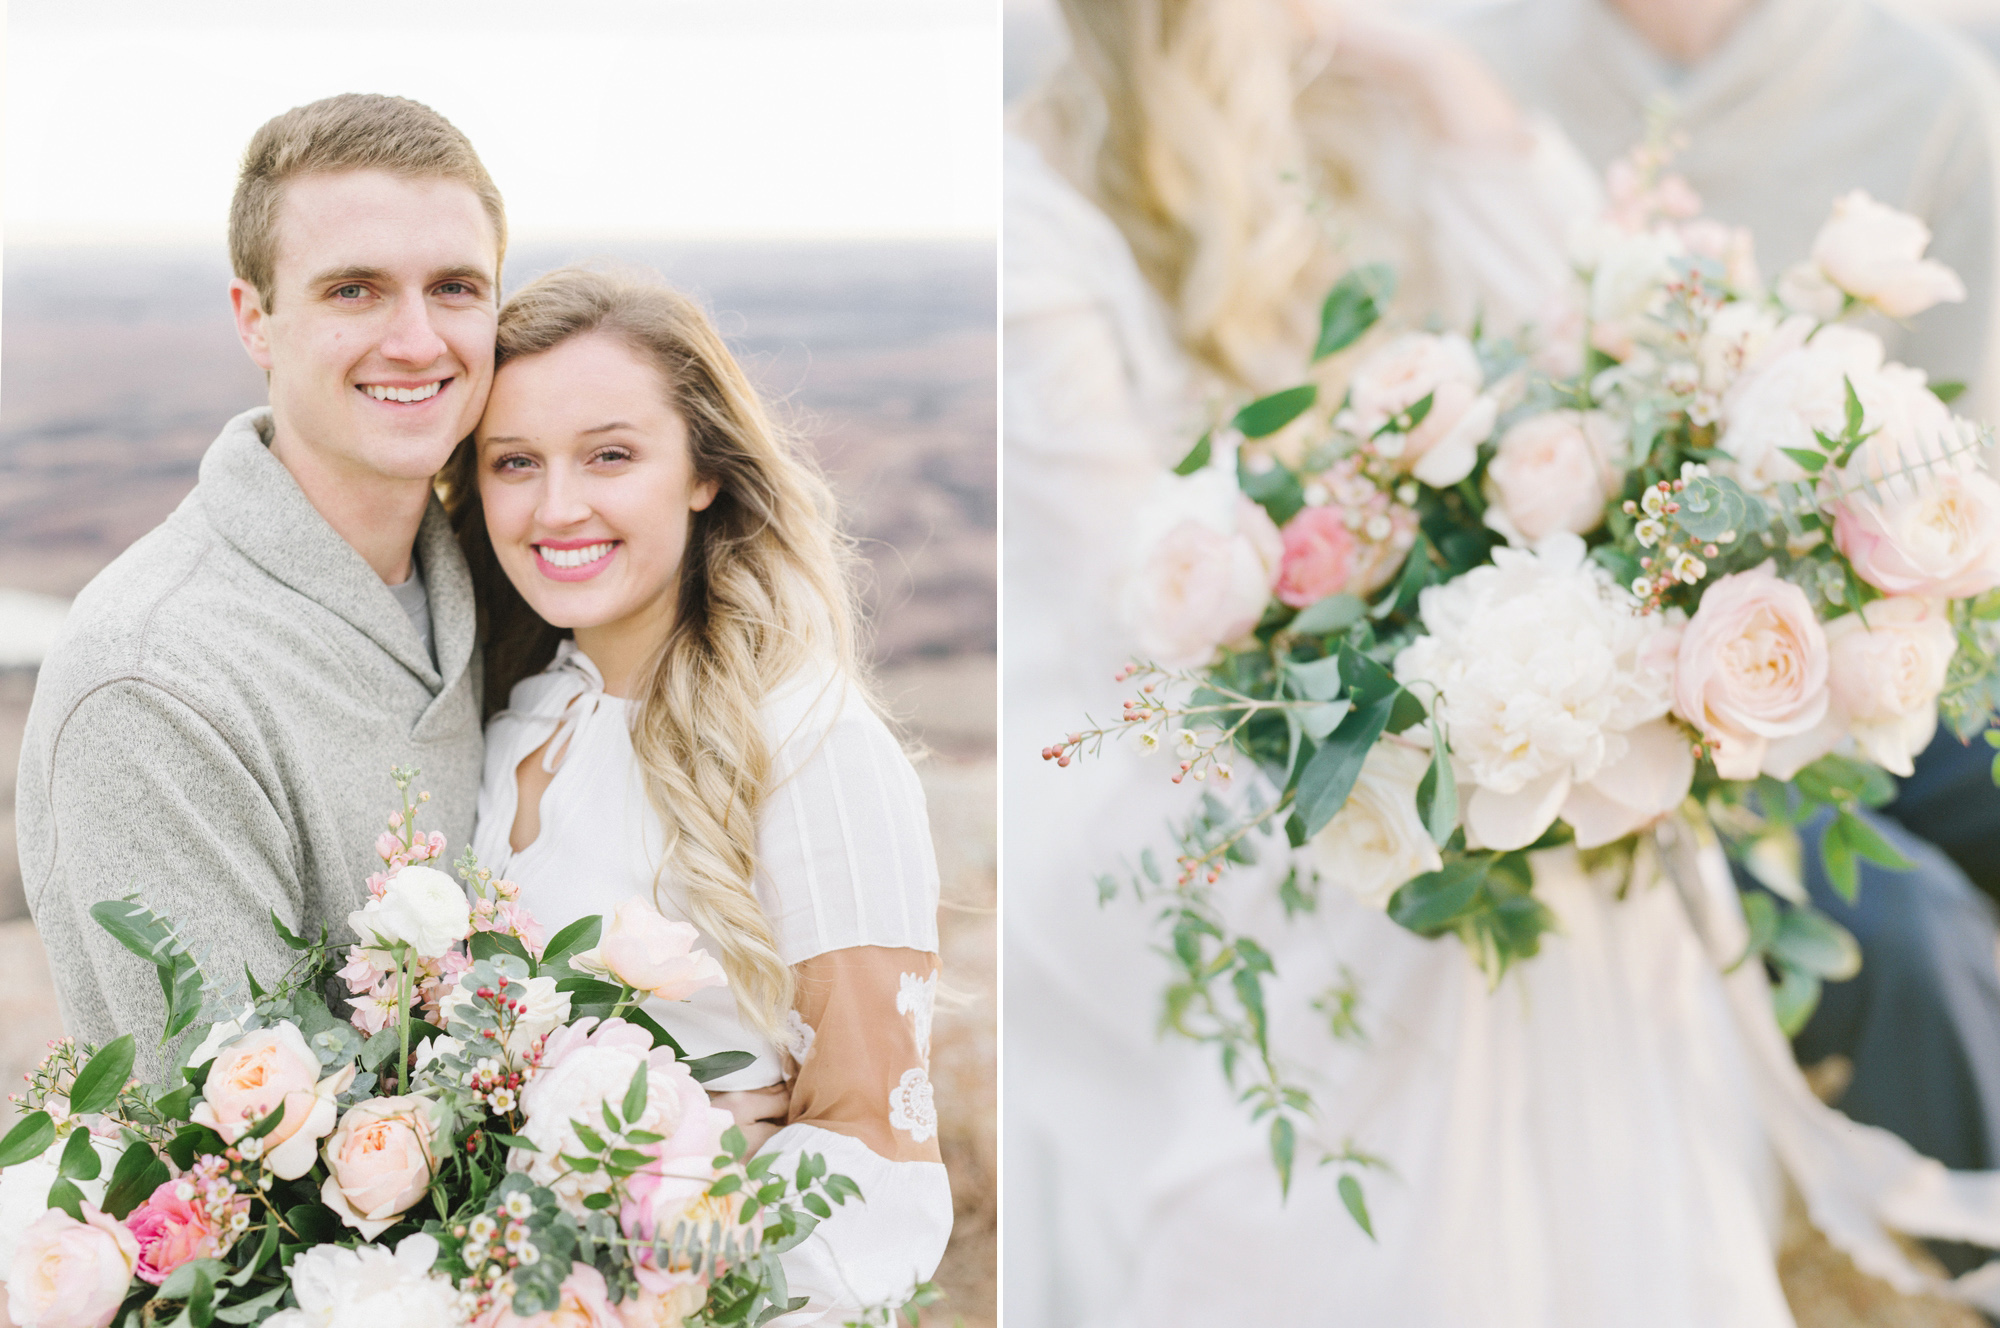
(614, 454)
(512, 463)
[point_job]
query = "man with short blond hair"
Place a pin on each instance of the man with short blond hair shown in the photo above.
(216, 725)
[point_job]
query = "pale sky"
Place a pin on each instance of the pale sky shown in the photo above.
(686, 118)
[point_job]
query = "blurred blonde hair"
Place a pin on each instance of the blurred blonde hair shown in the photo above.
(351, 132)
(765, 588)
(1237, 173)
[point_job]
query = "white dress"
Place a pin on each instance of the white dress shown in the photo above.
(1594, 1142)
(845, 868)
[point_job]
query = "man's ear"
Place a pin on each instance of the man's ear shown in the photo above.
(248, 307)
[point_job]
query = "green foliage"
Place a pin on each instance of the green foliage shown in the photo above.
(151, 937)
(103, 1078)
(30, 1138)
(1266, 415)
(1196, 459)
(1353, 306)
(1277, 488)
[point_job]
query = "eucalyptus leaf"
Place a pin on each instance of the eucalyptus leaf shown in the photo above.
(99, 1082)
(1433, 902)
(1266, 415)
(1320, 720)
(1353, 306)
(1318, 679)
(1812, 941)
(29, 1138)
(1331, 614)
(1329, 777)
(1356, 1204)
(1197, 457)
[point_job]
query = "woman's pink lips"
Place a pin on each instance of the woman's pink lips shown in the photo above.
(583, 573)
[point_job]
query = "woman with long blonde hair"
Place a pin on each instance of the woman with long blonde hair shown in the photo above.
(669, 619)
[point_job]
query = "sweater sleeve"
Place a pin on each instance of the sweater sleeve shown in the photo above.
(862, 1099)
(143, 794)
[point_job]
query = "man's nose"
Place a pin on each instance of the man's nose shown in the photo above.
(410, 338)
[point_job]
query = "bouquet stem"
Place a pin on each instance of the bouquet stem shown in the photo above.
(403, 1013)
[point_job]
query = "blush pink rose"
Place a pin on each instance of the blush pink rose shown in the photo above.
(667, 1308)
(172, 1230)
(380, 1159)
(1205, 579)
(1938, 537)
(1441, 450)
(1888, 665)
(260, 1071)
(1553, 472)
(1752, 667)
(646, 950)
(583, 1301)
(71, 1274)
(1319, 556)
(1875, 253)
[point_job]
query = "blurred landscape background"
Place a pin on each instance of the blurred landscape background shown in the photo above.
(119, 364)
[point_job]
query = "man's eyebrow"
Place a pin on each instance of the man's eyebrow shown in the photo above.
(355, 272)
(463, 272)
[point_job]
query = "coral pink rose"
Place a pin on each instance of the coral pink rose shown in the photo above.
(1875, 253)
(1553, 472)
(1888, 665)
(1441, 450)
(1938, 537)
(71, 1274)
(260, 1071)
(1752, 667)
(1319, 556)
(172, 1230)
(645, 950)
(381, 1161)
(583, 1301)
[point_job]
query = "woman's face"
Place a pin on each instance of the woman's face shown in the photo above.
(588, 487)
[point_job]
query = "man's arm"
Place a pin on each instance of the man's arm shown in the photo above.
(144, 794)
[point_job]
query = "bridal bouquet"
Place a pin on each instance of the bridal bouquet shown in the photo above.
(495, 1134)
(1695, 549)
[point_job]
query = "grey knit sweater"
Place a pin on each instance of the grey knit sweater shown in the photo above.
(215, 727)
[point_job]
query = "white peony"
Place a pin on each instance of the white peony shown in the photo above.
(369, 1287)
(1375, 842)
(421, 907)
(1541, 668)
(547, 1008)
(575, 1086)
(1800, 386)
(1875, 253)
(1205, 558)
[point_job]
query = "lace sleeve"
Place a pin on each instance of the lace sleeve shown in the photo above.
(863, 1045)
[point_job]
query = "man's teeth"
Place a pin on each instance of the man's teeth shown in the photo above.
(590, 553)
(424, 393)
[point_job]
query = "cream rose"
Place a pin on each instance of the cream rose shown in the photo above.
(71, 1274)
(1875, 253)
(644, 949)
(1442, 450)
(261, 1071)
(1798, 386)
(421, 907)
(1752, 667)
(1935, 537)
(1207, 557)
(1887, 666)
(1554, 472)
(1375, 842)
(380, 1159)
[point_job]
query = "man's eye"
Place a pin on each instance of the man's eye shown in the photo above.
(455, 288)
(350, 292)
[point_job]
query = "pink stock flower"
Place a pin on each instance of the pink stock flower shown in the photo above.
(371, 1013)
(510, 916)
(1319, 556)
(387, 845)
(583, 1301)
(172, 1231)
(378, 884)
(359, 973)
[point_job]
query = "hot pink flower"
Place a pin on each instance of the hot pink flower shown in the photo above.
(172, 1230)
(1319, 556)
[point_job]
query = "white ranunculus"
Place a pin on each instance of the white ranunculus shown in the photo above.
(421, 907)
(1797, 389)
(547, 1008)
(369, 1287)
(1204, 560)
(1541, 668)
(1738, 340)
(24, 1191)
(217, 1035)
(1875, 253)
(1375, 842)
